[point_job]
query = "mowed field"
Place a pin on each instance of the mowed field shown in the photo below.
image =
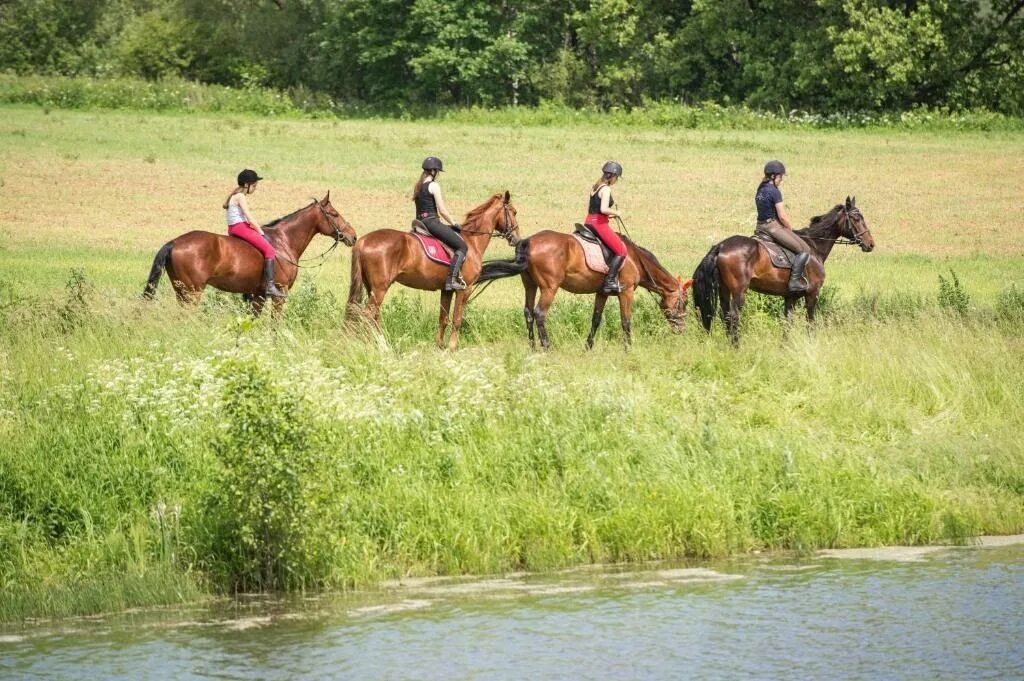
(152, 454)
(103, 191)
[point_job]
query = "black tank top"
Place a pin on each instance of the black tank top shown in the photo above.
(594, 207)
(425, 202)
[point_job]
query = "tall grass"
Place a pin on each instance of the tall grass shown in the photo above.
(154, 453)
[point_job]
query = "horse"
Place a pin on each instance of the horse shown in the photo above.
(550, 260)
(739, 263)
(199, 259)
(386, 256)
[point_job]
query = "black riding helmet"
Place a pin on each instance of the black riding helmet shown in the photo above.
(248, 177)
(774, 168)
(612, 168)
(433, 163)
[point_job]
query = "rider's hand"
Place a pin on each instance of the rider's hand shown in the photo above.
(457, 227)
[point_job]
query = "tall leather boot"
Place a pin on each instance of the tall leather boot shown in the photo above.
(796, 275)
(269, 287)
(611, 281)
(455, 282)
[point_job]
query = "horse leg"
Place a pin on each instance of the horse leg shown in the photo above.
(531, 299)
(811, 301)
(595, 321)
(547, 296)
(460, 304)
(787, 315)
(626, 315)
(256, 304)
(738, 300)
(442, 319)
(374, 302)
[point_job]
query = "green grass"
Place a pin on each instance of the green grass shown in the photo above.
(152, 454)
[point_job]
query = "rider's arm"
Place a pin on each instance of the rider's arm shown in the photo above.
(244, 207)
(442, 210)
(605, 193)
(780, 210)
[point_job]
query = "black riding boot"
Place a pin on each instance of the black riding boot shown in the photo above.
(269, 287)
(455, 281)
(611, 281)
(796, 275)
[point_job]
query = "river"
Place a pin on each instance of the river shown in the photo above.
(915, 613)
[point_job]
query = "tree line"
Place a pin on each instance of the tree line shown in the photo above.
(811, 55)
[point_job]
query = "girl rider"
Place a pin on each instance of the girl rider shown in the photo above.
(598, 210)
(429, 206)
(773, 219)
(241, 224)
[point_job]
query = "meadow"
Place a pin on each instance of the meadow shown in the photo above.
(153, 454)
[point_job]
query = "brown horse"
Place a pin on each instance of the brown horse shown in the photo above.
(385, 256)
(551, 260)
(199, 259)
(740, 263)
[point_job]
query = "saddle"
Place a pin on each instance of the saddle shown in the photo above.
(433, 247)
(596, 254)
(780, 256)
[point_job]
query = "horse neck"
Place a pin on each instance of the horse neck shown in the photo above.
(477, 233)
(821, 238)
(653, 276)
(298, 230)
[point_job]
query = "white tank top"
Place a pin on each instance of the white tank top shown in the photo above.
(234, 212)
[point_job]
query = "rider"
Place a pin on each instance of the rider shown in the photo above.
(429, 205)
(773, 219)
(598, 210)
(241, 224)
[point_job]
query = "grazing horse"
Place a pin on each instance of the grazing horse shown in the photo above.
(385, 256)
(199, 259)
(740, 263)
(551, 260)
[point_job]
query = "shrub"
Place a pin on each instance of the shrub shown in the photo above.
(953, 295)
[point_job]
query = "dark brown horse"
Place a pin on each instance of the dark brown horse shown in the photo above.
(551, 260)
(199, 259)
(386, 256)
(740, 263)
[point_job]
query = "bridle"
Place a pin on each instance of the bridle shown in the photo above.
(509, 233)
(339, 236)
(856, 238)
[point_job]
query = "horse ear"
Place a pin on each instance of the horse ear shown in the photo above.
(687, 284)
(508, 197)
(327, 198)
(854, 202)
(848, 202)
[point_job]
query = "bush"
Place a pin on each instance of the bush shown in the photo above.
(1010, 306)
(953, 295)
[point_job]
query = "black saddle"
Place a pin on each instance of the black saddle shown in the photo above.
(587, 233)
(780, 256)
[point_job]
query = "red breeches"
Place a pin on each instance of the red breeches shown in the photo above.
(244, 231)
(599, 221)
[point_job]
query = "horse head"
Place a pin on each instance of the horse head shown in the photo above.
(333, 224)
(855, 227)
(674, 302)
(507, 224)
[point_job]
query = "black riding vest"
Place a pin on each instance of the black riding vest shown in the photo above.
(426, 205)
(594, 207)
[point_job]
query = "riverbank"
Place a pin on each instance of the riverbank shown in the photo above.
(154, 454)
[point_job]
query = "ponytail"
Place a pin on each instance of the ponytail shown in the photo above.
(604, 180)
(234, 191)
(432, 174)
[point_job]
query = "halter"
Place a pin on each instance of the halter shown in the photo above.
(338, 237)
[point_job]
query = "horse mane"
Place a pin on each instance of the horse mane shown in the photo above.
(477, 213)
(644, 251)
(821, 224)
(274, 223)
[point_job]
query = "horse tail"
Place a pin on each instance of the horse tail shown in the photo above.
(499, 269)
(705, 286)
(356, 284)
(159, 264)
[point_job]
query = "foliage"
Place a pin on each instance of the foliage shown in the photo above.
(952, 294)
(778, 55)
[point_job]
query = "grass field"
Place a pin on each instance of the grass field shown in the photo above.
(151, 454)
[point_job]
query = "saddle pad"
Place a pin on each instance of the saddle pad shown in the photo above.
(593, 255)
(780, 257)
(434, 249)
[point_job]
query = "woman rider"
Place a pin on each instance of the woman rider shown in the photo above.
(598, 210)
(429, 205)
(773, 219)
(241, 224)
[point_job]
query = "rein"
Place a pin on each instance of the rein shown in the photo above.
(841, 240)
(323, 256)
